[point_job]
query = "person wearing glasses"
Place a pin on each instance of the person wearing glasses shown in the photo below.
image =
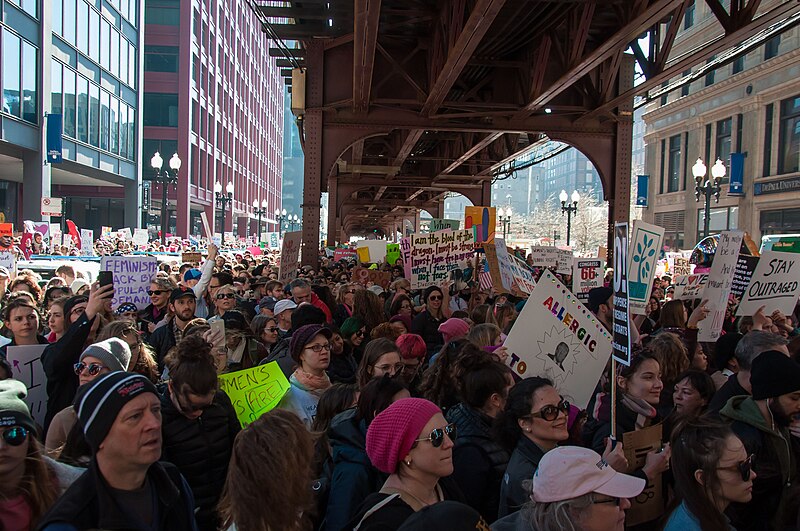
(310, 348)
(412, 442)
(159, 291)
(225, 299)
(354, 332)
(265, 329)
(30, 482)
(427, 322)
(381, 356)
(712, 469)
(198, 425)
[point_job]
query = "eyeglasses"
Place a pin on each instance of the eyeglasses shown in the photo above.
(360, 333)
(152, 292)
(434, 298)
(397, 367)
(319, 348)
(15, 436)
(436, 437)
(77, 310)
(221, 296)
(272, 329)
(744, 468)
(93, 368)
(550, 412)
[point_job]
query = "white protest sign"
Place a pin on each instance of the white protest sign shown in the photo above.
(564, 262)
(643, 251)
(504, 263)
(587, 274)
(522, 275)
(9, 260)
(290, 254)
(87, 242)
(27, 368)
(377, 249)
(140, 237)
(544, 256)
(773, 285)
(688, 287)
(720, 280)
(207, 227)
(556, 337)
(132, 275)
(125, 234)
(435, 254)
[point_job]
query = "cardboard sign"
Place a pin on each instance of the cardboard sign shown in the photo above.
(564, 261)
(290, 254)
(26, 366)
(648, 505)
(622, 318)
(720, 281)
(434, 255)
(254, 391)
(504, 263)
(544, 256)
(555, 336)
(523, 277)
(365, 276)
(481, 220)
(392, 253)
(689, 287)
(191, 258)
(363, 255)
(132, 275)
(587, 274)
(140, 237)
(644, 247)
(405, 253)
(438, 224)
(745, 267)
(681, 266)
(494, 269)
(774, 284)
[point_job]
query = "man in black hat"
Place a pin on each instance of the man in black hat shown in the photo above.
(182, 305)
(601, 304)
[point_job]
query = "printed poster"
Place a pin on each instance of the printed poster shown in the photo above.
(720, 281)
(556, 337)
(131, 276)
(434, 255)
(345, 254)
(622, 317)
(544, 256)
(27, 368)
(481, 220)
(745, 267)
(643, 249)
(587, 274)
(774, 284)
(254, 391)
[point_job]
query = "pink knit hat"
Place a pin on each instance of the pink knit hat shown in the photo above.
(454, 328)
(392, 433)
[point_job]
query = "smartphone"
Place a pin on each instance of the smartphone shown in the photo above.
(105, 278)
(219, 325)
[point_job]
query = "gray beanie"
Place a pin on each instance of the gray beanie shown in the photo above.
(13, 411)
(113, 352)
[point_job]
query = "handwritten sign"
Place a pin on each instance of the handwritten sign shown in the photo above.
(564, 261)
(365, 276)
(745, 267)
(9, 260)
(27, 368)
(254, 391)
(648, 505)
(132, 275)
(555, 336)
(125, 234)
(405, 253)
(290, 254)
(621, 320)
(645, 244)
(392, 253)
(482, 221)
(720, 281)
(140, 237)
(494, 269)
(438, 224)
(434, 255)
(504, 263)
(774, 284)
(587, 274)
(87, 242)
(681, 266)
(191, 258)
(544, 256)
(688, 287)
(523, 277)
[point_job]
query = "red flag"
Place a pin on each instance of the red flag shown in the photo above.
(73, 231)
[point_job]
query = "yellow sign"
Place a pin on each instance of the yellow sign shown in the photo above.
(363, 255)
(254, 391)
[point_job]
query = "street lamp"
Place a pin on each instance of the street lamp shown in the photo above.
(280, 215)
(259, 212)
(570, 209)
(293, 220)
(505, 218)
(223, 201)
(707, 187)
(165, 178)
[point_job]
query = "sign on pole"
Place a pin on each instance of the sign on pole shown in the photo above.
(622, 338)
(132, 275)
(290, 254)
(720, 281)
(645, 245)
(51, 206)
(587, 274)
(774, 284)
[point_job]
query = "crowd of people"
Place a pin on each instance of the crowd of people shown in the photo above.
(401, 413)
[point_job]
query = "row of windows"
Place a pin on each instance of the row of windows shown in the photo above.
(20, 63)
(162, 12)
(96, 37)
(29, 6)
(161, 58)
(92, 114)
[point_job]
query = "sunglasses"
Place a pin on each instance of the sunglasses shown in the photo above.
(550, 412)
(221, 296)
(615, 501)
(744, 468)
(15, 436)
(272, 329)
(434, 298)
(188, 407)
(436, 437)
(152, 292)
(93, 368)
(360, 333)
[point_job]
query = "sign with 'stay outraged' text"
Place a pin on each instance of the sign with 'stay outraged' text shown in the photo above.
(434, 255)
(254, 391)
(132, 275)
(774, 284)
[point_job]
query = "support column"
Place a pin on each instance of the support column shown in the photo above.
(35, 185)
(313, 128)
(133, 203)
(486, 194)
(333, 212)
(440, 209)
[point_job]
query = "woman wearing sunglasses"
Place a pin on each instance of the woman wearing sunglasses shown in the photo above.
(29, 482)
(427, 322)
(711, 470)
(353, 333)
(160, 289)
(413, 443)
(265, 329)
(310, 348)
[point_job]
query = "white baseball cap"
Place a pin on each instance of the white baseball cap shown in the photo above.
(283, 305)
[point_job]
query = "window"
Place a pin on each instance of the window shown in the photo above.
(720, 219)
(104, 117)
(29, 67)
(688, 17)
(69, 102)
(29, 6)
(114, 66)
(779, 221)
(162, 12)
(69, 21)
(55, 91)
(165, 147)
(710, 75)
(58, 17)
(161, 58)
(663, 156)
(685, 87)
(131, 64)
(123, 130)
(771, 47)
(123, 60)
(738, 64)
(82, 22)
(723, 144)
(113, 140)
(789, 140)
(674, 163)
(94, 115)
(160, 110)
(708, 142)
(11, 73)
(665, 97)
(105, 44)
(131, 133)
(768, 139)
(83, 109)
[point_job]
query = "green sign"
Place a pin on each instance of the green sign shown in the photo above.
(392, 253)
(254, 391)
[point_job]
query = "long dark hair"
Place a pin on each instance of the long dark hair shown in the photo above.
(479, 375)
(192, 366)
(377, 395)
(438, 382)
(518, 405)
(372, 353)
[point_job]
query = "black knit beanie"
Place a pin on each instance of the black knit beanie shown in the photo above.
(774, 374)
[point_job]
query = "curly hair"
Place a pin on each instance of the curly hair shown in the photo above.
(368, 308)
(439, 382)
(192, 366)
(671, 356)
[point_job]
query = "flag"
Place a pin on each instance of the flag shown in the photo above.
(485, 278)
(73, 232)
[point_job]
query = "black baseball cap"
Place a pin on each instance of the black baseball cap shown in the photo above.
(181, 291)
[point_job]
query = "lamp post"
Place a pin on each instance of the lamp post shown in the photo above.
(224, 199)
(259, 212)
(569, 208)
(165, 178)
(707, 187)
(505, 218)
(293, 220)
(280, 215)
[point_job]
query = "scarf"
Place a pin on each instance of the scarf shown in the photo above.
(644, 411)
(314, 384)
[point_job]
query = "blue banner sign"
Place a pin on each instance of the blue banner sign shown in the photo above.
(737, 174)
(642, 182)
(54, 129)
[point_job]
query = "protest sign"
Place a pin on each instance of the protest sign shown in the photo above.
(8, 259)
(105, 232)
(365, 276)
(434, 255)
(481, 220)
(140, 237)
(688, 287)
(191, 258)
(363, 254)
(622, 317)
(564, 261)
(438, 224)
(680, 266)
(27, 368)
(774, 284)
(345, 254)
(87, 242)
(556, 337)
(290, 254)
(644, 247)
(274, 240)
(254, 391)
(405, 252)
(504, 263)
(377, 250)
(125, 234)
(494, 269)
(544, 256)
(523, 277)
(132, 276)
(587, 274)
(745, 266)
(648, 505)
(718, 287)
(392, 253)
(6, 230)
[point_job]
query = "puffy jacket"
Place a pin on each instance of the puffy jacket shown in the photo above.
(162, 339)
(201, 449)
(523, 463)
(479, 462)
(774, 464)
(354, 478)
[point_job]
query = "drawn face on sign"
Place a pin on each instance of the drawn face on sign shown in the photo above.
(557, 353)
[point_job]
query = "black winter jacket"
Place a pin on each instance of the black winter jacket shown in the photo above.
(162, 339)
(201, 449)
(479, 462)
(89, 503)
(523, 463)
(343, 367)
(280, 353)
(427, 326)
